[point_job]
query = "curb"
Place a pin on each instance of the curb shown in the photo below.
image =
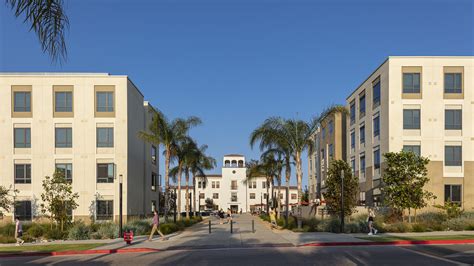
(79, 252)
(391, 243)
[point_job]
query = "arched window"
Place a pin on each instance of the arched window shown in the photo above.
(227, 163)
(241, 163)
(234, 163)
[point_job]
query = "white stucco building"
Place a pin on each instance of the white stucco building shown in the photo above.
(229, 189)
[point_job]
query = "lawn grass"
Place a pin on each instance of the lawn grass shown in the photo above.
(48, 248)
(415, 238)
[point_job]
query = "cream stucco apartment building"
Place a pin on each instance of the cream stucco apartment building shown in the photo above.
(229, 189)
(86, 125)
(423, 104)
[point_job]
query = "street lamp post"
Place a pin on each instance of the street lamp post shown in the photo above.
(120, 206)
(342, 201)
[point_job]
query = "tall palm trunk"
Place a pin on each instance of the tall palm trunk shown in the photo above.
(179, 190)
(268, 196)
(167, 180)
(299, 177)
(187, 193)
(278, 196)
(194, 194)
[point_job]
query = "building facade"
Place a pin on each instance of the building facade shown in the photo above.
(420, 104)
(232, 190)
(85, 126)
(330, 144)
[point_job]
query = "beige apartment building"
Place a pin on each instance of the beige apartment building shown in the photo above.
(330, 143)
(84, 125)
(423, 104)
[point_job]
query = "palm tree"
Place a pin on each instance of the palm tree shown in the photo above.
(275, 157)
(197, 164)
(266, 167)
(48, 20)
(168, 133)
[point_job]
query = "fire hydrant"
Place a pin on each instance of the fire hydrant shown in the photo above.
(128, 237)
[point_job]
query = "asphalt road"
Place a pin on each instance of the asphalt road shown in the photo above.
(356, 255)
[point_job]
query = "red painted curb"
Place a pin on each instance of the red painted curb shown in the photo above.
(392, 243)
(79, 252)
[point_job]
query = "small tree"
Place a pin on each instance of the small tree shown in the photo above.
(333, 188)
(6, 199)
(404, 180)
(58, 199)
(305, 196)
(210, 203)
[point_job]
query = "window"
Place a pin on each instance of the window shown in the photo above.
(233, 197)
(153, 205)
(202, 195)
(105, 173)
(22, 101)
(265, 195)
(353, 165)
(105, 210)
(63, 137)
(22, 173)
(213, 184)
(377, 159)
(352, 112)
(331, 126)
(452, 82)
(323, 132)
(362, 105)
(199, 184)
(416, 149)
(411, 82)
(376, 126)
(293, 196)
(63, 101)
(331, 151)
(376, 93)
(323, 155)
(353, 140)
(362, 164)
(453, 155)
(362, 134)
(154, 182)
(253, 184)
(411, 119)
(22, 137)
(452, 193)
(264, 184)
(203, 184)
(105, 101)
(453, 119)
(23, 210)
(362, 198)
(252, 195)
(65, 169)
(233, 185)
(105, 137)
(215, 195)
(154, 155)
(218, 184)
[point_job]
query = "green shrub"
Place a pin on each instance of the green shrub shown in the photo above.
(265, 217)
(168, 228)
(7, 239)
(7, 230)
(56, 234)
(79, 231)
(36, 230)
(431, 217)
(453, 210)
(108, 230)
(399, 227)
(459, 224)
(331, 225)
(420, 227)
(139, 227)
(352, 227)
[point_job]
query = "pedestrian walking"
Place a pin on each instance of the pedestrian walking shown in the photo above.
(229, 216)
(273, 218)
(156, 227)
(221, 216)
(18, 232)
(370, 220)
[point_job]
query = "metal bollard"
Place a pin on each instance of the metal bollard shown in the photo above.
(231, 229)
(253, 226)
(209, 226)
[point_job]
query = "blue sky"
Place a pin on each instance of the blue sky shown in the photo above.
(235, 63)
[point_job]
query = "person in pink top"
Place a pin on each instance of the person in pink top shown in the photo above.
(156, 227)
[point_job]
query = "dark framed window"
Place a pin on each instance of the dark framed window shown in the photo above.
(216, 195)
(63, 101)
(23, 210)
(105, 137)
(22, 173)
(252, 195)
(411, 83)
(105, 173)
(453, 193)
(376, 93)
(105, 101)
(453, 119)
(293, 196)
(154, 183)
(63, 137)
(362, 134)
(362, 105)
(331, 151)
(352, 112)
(376, 126)
(362, 164)
(411, 119)
(353, 140)
(233, 197)
(22, 101)
(65, 169)
(353, 165)
(154, 155)
(452, 82)
(22, 137)
(377, 159)
(331, 126)
(105, 210)
(453, 155)
(416, 149)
